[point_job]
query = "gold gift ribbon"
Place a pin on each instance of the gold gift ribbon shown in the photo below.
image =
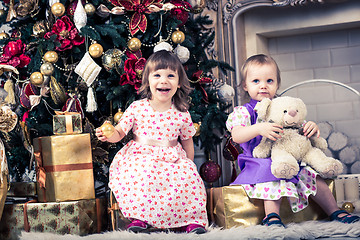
(40, 171)
(68, 120)
(68, 167)
(26, 219)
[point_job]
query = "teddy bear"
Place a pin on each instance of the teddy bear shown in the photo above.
(293, 148)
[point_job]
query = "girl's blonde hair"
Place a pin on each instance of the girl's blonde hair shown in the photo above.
(259, 59)
(166, 60)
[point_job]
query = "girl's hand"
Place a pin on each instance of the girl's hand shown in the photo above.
(270, 130)
(310, 128)
(99, 134)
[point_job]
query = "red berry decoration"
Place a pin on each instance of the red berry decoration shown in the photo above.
(210, 171)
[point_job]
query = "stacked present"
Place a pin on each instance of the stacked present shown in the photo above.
(230, 206)
(65, 186)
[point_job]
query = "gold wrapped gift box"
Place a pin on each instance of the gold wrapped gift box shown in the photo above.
(231, 207)
(64, 168)
(81, 217)
(3, 192)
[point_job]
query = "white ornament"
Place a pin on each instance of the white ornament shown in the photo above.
(80, 17)
(226, 93)
(163, 46)
(183, 53)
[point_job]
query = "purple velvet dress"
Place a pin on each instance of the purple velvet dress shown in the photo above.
(256, 177)
(254, 170)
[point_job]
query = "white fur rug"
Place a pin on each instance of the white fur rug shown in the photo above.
(306, 230)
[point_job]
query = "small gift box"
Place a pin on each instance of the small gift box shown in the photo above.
(231, 207)
(67, 123)
(81, 217)
(64, 170)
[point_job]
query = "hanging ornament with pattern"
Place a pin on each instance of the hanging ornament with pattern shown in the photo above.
(226, 93)
(210, 171)
(80, 17)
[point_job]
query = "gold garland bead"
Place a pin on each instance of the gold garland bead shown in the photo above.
(36, 78)
(134, 44)
(51, 56)
(178, 37)
(58, 9)
(4, 36)
(96, 50)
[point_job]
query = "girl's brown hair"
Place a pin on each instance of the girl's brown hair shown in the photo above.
(259, 59)
(166, 60)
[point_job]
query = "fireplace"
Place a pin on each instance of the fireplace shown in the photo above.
(310, 40)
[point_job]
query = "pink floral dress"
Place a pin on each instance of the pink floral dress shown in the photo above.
(158, 184)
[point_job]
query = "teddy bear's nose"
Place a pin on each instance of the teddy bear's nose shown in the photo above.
(292, 113)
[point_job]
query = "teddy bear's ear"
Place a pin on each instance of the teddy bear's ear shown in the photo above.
(262, 108)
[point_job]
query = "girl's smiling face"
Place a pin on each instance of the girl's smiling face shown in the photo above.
(163, 85)
(261, 81)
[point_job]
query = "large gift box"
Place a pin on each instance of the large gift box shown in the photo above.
(75, 217)
(67, 123)
(231, 207)
(64, 168)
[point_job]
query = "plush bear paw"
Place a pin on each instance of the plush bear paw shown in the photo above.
(333, 170)
(285, 170)
(259, 152)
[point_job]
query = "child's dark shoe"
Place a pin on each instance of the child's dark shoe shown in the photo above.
(195, 228)
(272, 219)
(347, 218)
(137, 226)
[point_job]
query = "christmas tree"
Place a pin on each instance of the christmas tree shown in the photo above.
(88, 57)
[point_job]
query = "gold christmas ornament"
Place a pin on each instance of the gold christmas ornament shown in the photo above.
(4, 36)
(197, 5)
(134, 44)
(47, 69)
(58, 9)
(108, 129)
(36, 78)
(40, 28)
(118, 115)
(348, 206)
(8, 118)
(112, 59)
(2, 13)
(96, 50)
(197, 128)
(178, 37)
(51, 56)
(89, 9)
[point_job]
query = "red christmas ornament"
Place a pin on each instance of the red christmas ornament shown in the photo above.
(26, 92)
(181, 11)
(73, 105)
(210, 171)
